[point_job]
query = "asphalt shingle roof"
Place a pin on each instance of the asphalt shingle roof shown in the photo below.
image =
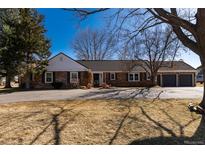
(126, 65)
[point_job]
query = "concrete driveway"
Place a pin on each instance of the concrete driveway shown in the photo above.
(96, 93)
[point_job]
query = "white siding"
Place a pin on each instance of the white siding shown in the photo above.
(64, 63)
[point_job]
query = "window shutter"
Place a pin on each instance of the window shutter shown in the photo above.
(43, 77)
(31, 76)
(79, 77)
(68, 77)
(116, 76)
(54, 77)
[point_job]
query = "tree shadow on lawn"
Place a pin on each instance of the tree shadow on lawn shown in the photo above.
(197, 138)
(51, 123)
(55, 122)
(175, 138)
(175, 135)
(140, 91)
(57, 125)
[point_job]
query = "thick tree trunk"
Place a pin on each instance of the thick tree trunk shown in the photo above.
(27, 81)
(8, 82)
(153, 78)
(199, 134)
(202, 104)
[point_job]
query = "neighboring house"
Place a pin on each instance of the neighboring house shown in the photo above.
(62, 68)
(14, 81)
(2, 81)
(200, 76)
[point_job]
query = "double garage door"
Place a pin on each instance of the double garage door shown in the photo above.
(184, 80)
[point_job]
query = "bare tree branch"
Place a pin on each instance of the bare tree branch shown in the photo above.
(94, 45)
(83, 13)
(153, 48)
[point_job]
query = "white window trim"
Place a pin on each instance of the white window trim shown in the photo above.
(111, 75)
(46, 77)
(134, 77)
(71, 81)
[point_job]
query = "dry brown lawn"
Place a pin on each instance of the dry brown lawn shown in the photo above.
(98, 122)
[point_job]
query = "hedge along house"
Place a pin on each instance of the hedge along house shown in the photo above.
(123, 73)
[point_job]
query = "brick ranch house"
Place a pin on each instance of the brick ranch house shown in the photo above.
(124, 73)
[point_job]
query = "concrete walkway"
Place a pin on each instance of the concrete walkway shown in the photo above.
(96, 93)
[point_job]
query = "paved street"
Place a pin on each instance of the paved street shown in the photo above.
(96, 93)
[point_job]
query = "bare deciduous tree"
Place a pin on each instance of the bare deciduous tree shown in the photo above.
(152, 48)
(187, 24)
(94, 45)
(190, 31)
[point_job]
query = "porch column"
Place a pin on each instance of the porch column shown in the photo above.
(105, 76)
(193, 79)
(160, 79)
(177, 80)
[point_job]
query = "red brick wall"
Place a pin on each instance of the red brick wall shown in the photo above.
(121, 80)
(61, 77)
(39, 81)
(85, 78)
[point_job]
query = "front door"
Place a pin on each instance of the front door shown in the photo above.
(96, 80)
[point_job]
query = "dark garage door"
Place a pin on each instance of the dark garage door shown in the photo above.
(185, 80)
(169, 80)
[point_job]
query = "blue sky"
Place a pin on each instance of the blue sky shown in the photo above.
(62, 26)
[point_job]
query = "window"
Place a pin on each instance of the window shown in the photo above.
(73, 77)
(136, 77)
(112, 76)
(133, 77)
(48, 77)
